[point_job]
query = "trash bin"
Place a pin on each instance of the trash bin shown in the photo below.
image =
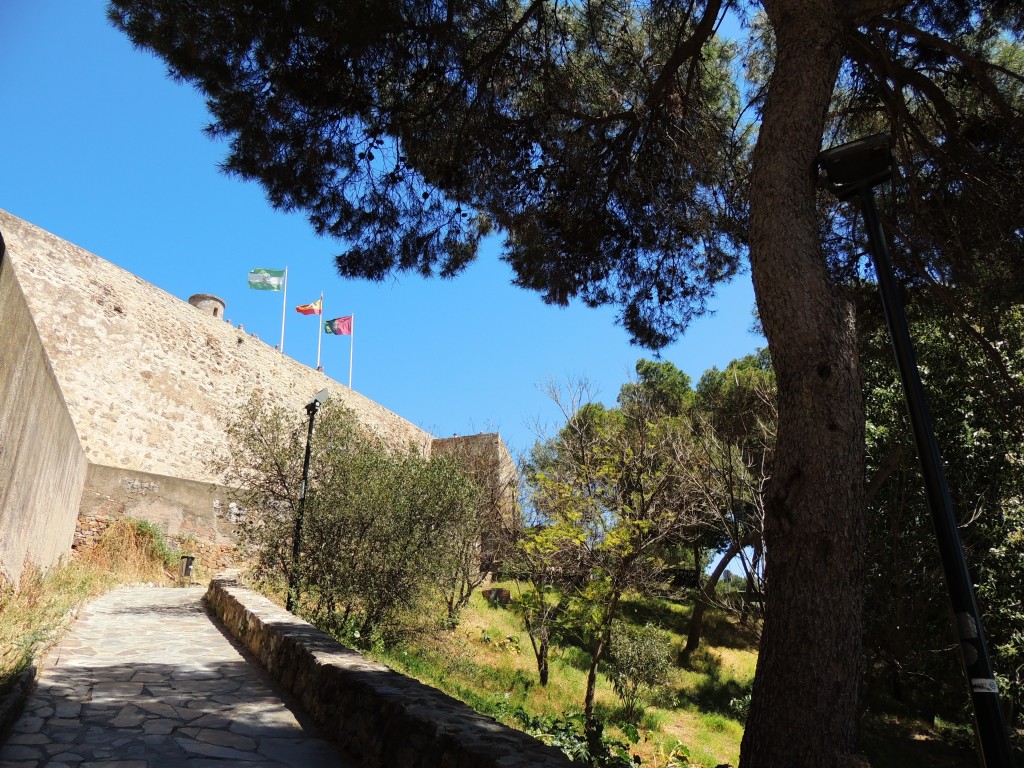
(185, 569)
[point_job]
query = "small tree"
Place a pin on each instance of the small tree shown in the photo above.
(383, 539)
(641, 658)
(552, 570)
(263, 469)
(487, 462)
(610, 496)
(733, 424)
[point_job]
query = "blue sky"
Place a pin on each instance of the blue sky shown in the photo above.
(98, 146)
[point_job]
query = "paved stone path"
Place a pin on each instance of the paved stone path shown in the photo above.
(145, 679)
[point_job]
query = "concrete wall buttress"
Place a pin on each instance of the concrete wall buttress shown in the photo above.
(42, 465)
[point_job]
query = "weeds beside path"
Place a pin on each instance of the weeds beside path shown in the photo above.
(37, 611)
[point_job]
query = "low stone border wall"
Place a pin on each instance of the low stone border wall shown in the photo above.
(12, 702)
(382, 717)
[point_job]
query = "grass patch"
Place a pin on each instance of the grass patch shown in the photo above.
(488, 663)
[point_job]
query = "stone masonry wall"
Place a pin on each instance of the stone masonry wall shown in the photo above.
(41, 464)
(178, 507)
(488, 461)
(196, 516)
(384, 718)
(146, 376)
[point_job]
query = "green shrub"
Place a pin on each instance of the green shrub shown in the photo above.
(641, 658)
(383, 531)
(569, 735)
(740, 707)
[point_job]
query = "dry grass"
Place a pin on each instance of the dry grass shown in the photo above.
(136, 551)
(35, 612)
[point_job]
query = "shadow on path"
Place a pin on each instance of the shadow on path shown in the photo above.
(145, 679)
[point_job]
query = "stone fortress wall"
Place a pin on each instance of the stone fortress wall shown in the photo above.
(147, 377)
(112, 397)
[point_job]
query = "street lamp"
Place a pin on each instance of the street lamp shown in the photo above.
(854, 170)
(311, 408)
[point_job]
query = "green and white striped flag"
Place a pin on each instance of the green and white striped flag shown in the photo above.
(266, 279)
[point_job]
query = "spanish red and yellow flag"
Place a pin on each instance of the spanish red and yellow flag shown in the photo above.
(311, 309)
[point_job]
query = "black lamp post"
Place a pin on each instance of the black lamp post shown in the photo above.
(854, 170)
(311, 408)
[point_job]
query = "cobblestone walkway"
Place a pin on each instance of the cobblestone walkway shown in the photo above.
(145, 679)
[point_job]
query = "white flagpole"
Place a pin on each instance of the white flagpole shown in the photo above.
(284, 304)
(351, 344)
(320, 330)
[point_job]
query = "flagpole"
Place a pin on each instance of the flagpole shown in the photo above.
(351, 344)
(320, 331)
(284, 304)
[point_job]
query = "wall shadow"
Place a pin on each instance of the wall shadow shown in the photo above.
(167, 714)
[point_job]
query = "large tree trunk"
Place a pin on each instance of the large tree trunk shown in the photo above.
(803, 709)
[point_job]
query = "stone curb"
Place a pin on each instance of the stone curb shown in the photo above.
(382, 717)
(13, 702)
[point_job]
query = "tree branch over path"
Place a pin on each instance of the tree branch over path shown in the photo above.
(606, 145)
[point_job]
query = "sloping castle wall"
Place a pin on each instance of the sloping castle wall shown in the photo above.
(100, 369)
(148, 377)
(42, 466)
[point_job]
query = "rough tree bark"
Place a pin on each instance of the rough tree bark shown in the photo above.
(803, 709)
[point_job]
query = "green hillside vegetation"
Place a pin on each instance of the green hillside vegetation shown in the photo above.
(625, 634)
(696, 716)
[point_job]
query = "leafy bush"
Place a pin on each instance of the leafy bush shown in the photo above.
(740, 707)
(569, 734)
(383, 531)
(641, 658)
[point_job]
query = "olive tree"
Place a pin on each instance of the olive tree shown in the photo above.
(383, 529)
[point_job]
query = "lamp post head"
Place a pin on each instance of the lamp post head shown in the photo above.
(318, 399)
(860, 165)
